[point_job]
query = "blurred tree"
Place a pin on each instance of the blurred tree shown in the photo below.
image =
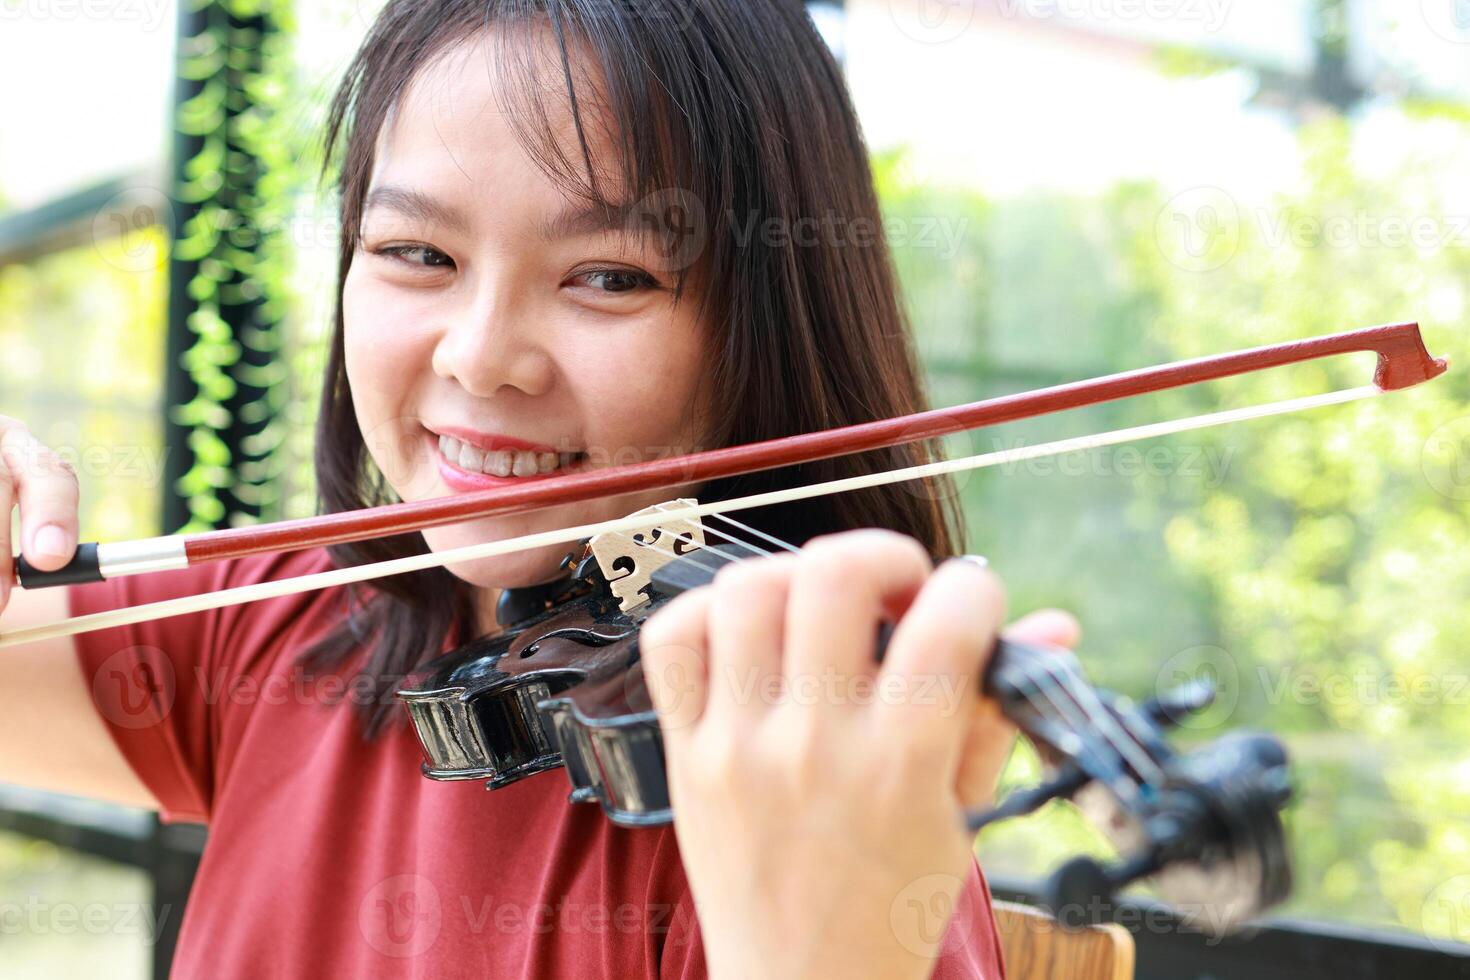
(1313, 564)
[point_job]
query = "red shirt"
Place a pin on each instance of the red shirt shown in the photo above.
(332, 856)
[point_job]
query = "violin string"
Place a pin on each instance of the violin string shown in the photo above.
(1139, 735)
(1083, 697)
(729, 557)
(1123, 741)
(1085, 700)
(1134, 730)
(704, 526)
(1041, 684)
(1103, 718)
(1046, 683)
(757, 532)
(1069, 712)
(1076, 712)
(1117, 733)
(699, 546)
(1064, 712)
(785, 545)
(1106, 723)
(694, 555)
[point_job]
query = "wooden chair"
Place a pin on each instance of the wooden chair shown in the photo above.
(1036, 948)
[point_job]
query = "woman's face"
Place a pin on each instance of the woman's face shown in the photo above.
(497, 331)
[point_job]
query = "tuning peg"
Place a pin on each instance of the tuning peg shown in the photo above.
(1172, 707)
(1067, 780)
(1081, 892)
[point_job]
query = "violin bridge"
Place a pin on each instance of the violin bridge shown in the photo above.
(628, 559)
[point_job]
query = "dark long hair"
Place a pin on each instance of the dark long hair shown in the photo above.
(739, 106)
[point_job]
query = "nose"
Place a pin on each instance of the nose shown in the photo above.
(490, 344)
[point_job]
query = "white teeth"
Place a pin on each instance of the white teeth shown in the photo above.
(471, 459)
(504, 462)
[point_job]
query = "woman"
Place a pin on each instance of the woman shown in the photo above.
(576, 233)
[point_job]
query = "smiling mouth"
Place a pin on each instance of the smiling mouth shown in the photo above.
(503, 462)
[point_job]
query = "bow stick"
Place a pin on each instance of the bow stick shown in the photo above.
(1402, 362)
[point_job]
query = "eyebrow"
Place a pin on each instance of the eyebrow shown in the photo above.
(416, 205)
(571, 222)
(590, 219)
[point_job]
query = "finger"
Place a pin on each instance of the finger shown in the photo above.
(673, 646)
(747, 628)
(1052, 627)
(988, 744)
(939, 649)
(992, 737)
(47, 492)
(843, 587)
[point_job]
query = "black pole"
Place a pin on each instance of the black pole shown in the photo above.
(179, 386)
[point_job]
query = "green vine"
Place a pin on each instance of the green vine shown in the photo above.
(239, 186)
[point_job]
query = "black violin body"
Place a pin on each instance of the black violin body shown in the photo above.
(562, 687)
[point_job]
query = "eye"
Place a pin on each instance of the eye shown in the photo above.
(616, 280)
(420, 255)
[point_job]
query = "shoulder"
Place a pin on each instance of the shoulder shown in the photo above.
(201, 579)
(165, 684)
(262, 621)
(229, 625)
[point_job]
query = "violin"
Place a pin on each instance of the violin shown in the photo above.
(561, 685)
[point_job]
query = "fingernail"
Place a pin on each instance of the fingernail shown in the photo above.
(980, 560)
(50, 540)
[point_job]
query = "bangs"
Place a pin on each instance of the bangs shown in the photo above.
(649, 132)
(615, 74)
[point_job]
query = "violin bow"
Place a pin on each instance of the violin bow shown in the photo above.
(1402, 362)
